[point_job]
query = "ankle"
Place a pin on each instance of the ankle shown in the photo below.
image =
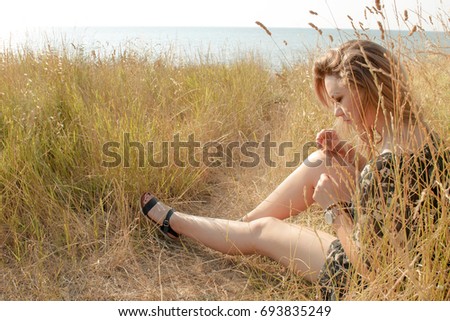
(159, 213)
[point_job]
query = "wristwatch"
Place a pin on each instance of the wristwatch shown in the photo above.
(334, 209)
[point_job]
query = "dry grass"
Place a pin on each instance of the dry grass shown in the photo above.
(70, 227)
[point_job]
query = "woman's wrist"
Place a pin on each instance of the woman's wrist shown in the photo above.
(335, 210)
(344, 220)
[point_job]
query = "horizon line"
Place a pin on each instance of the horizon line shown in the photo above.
(25, 28)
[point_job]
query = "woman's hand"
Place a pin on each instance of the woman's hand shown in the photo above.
(333, 188)
(328, 140)
(325, 191)
(328, 192)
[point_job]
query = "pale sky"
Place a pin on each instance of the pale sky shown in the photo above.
(242, 13)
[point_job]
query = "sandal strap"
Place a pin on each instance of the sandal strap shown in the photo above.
(165, 227)
(150, 204)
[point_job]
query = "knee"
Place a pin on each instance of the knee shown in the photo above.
(264, 234)
(316, 159)
(322, 161)
(257, 227)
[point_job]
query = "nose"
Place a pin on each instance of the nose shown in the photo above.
(338, 112)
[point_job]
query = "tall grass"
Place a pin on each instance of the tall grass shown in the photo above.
(61, 209)
(70, 227)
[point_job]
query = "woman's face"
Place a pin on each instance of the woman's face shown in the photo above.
(347, 104)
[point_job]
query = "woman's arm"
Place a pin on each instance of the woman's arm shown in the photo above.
(326, 194)
(343, 226)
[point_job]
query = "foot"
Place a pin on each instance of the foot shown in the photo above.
(159, 213)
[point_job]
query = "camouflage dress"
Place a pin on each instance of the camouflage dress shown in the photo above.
(377, 198)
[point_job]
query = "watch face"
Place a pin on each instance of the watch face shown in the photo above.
(329, 217)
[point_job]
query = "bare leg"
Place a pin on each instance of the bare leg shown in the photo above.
(295, 193)
(301, 249)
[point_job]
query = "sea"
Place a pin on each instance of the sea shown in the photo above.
(278, 48)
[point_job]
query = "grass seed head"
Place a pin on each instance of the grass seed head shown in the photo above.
(413, 30)
(378, 5)
(380, 26)
(315, 28)
(260, 24)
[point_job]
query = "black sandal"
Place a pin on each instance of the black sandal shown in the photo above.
(165, 227)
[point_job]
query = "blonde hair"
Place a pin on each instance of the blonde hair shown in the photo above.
(375, 74)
